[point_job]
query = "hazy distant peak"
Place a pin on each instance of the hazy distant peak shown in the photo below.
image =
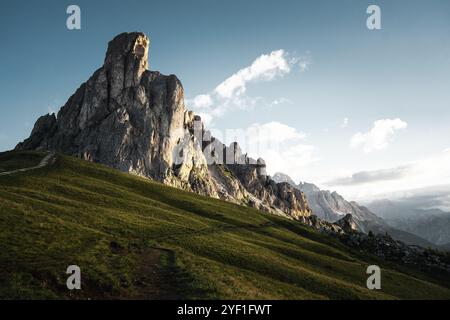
(281, 177)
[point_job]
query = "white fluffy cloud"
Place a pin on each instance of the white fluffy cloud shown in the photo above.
(202, 101)
(379, 136)
(230, 94)
(268, 133)
(281, 146)
(266, 67)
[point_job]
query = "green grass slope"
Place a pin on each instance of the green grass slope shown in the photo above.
(134, 238)
(10, 160)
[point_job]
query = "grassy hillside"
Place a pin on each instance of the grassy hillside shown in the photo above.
(10, 160)
(134, 238)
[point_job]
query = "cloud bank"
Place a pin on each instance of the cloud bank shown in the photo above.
(375, 184)
(371, 176)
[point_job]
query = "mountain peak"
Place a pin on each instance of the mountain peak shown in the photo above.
(281, 177)
(135, 120)
(128, 44)
(127, 59)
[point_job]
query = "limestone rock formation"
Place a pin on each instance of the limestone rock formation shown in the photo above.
(135, 120)
(128, 118)
(347, 224)
(245, 179)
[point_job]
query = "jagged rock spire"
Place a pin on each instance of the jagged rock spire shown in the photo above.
(126, 60)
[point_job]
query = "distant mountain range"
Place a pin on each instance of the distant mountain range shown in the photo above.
(430, 224)
(331, 207)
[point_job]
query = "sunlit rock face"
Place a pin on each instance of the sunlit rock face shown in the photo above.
(135, 120)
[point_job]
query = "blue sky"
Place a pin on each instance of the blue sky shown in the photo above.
(399, 76)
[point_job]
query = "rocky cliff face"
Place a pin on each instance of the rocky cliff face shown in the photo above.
(347, 224)
(128, 118)
(230, 167)
(135, 120)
